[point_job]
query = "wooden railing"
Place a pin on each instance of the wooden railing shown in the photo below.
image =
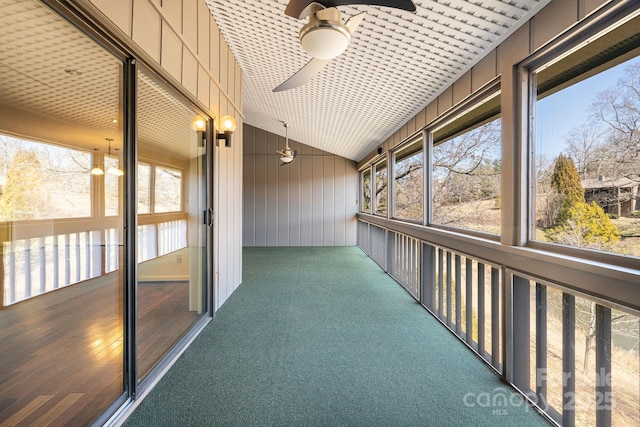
(42, 256)
(573, 355)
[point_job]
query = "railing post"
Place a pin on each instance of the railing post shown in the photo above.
(521, 333)
(428, 276)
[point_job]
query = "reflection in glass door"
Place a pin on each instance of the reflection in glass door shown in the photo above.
(61, 222)
(171, 236)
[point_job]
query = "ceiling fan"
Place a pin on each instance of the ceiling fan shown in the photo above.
(325, 36)
(286, 154)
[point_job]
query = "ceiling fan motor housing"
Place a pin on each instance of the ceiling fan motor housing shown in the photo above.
(325, 37)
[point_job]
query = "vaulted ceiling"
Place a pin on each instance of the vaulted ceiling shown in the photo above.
(396, 63)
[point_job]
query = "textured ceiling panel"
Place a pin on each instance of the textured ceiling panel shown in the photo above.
(49, 69)
(396, 64)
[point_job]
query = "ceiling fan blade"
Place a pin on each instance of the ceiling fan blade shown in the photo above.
(303, 75)
(295, 153)
(300, 9)
(353, 22)
(295, 8)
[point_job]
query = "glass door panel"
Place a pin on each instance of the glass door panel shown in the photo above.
(61, 222)
(171, 234)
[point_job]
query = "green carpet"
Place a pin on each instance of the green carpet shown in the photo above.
(323, 337)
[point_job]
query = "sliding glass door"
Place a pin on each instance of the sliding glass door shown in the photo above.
(61, 221)
(171, 239)
(103, 195)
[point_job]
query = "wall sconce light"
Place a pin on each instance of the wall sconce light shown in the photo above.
(227, 126)
(199, 124)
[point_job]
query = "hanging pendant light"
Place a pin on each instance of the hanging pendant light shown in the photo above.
(96, 170)
(112, 169)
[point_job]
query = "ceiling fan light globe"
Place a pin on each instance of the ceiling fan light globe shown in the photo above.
(286, 159)
(324, 39)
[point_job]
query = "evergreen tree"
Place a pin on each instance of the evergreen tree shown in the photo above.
(566, 180)
(585, 225)
(22, 196)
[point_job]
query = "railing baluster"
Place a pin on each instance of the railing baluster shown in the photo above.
(12, 273)
(27, 268)
(87, 255)
(481, 348)
(55, 259)
(604, 397)
(449, 290)
(42, 263)
(496, 336)
(541, 344)
(67, 259)
(77, 256)
(440, 280)
(458, 294)
(568, 359)
(469, 300)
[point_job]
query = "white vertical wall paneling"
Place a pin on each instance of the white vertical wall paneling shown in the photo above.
(328, 195)
(294, 202)
(310, 202)
(317, 219)
(249, 197)
(283, 203)
(260, 195)
(340, 199)
(306, 204)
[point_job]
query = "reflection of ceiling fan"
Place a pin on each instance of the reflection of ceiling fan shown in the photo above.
(286, 154)
(325, 36)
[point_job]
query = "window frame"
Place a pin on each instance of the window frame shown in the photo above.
(474, 102)
(361, 179)
(374, 185)
(416, 138)
(594, 27)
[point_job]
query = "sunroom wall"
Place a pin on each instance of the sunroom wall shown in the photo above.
(181, 41)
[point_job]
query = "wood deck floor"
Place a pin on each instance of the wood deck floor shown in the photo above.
(61, 352)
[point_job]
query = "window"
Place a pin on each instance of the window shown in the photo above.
(408, 182)
(31, 175)
(587, 146)
(365, 204)
(168, 190)
(381, 185)
(466, 170)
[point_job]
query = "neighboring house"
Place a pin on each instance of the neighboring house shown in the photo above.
(616, 196)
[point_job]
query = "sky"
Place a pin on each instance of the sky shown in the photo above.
(561, 112)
